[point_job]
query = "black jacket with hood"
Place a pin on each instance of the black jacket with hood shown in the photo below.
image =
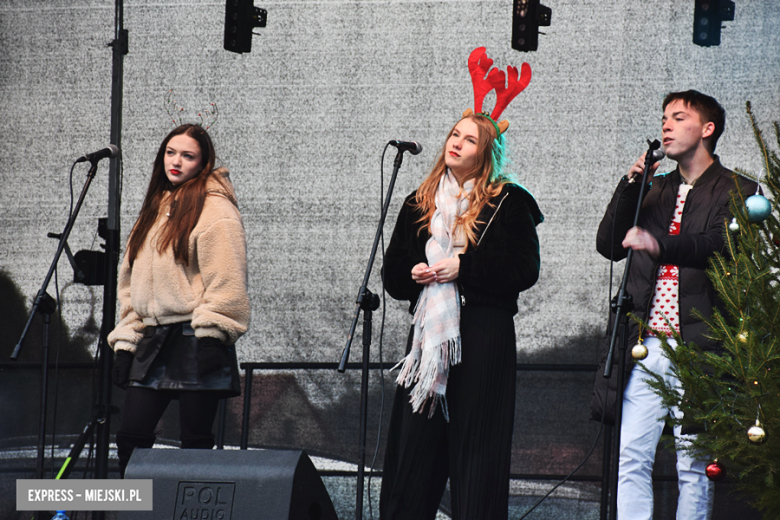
(505, 262)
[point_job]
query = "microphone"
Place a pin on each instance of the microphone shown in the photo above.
(655, 153)
(412, 147)
(110, 151)
(656, 156)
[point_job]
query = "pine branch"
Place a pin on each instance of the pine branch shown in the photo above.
(758, 134)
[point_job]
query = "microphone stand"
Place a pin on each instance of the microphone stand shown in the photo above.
(368, 302)
(46, 304)
(39, 299)
(621, 305)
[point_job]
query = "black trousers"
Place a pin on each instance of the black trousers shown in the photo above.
(473, 449)
(143, 409)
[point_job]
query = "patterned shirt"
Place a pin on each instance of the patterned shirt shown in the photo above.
(665, 301)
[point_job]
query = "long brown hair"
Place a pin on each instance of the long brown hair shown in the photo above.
(484, 188)
(186, 203)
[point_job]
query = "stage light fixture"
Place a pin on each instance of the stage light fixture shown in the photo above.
(707, 18)
(527, 17)
(241, 16)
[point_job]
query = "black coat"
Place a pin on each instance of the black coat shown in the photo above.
(493, 273)
(702, 234)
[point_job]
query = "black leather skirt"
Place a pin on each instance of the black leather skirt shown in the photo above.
(167, 359)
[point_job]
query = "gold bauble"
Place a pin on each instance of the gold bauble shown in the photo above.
(639, 351)
(756, 433)
(742, 337)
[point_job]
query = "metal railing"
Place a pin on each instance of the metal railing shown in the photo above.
(250, 368)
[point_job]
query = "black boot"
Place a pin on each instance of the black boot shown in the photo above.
(126, 443)
(197, 442)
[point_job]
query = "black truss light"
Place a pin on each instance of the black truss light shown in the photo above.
(707, 17)
(527, 17)
(241, 16)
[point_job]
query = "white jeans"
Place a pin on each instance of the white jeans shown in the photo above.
(641, 427)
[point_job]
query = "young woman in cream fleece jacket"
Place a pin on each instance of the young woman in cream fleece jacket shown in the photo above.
(183, 296)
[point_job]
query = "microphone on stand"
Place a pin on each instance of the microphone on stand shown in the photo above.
(411, 147)
(110, 151)
(656, 156)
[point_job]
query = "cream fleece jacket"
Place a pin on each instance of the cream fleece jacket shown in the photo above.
(211, 291)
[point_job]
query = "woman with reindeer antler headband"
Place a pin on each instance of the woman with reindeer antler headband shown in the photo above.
(183, 297)
(463, 248)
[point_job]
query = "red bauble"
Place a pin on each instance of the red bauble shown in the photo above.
(715, 471)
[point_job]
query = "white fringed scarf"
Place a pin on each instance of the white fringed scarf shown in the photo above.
(436, 339)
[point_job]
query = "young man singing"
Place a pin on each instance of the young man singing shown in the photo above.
(681, 226)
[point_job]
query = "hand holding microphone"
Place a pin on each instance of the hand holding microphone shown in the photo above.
(639, 166)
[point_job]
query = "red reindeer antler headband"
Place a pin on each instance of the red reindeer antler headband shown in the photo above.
(484, 80)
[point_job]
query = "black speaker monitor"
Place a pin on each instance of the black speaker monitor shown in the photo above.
(230, 485)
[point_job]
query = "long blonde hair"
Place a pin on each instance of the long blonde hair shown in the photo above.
(487, 183)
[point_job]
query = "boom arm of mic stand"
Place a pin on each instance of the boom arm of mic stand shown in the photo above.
(364, 287)
(60, 248)
(620, 303)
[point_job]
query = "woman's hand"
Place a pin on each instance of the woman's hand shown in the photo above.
(121, 371)
(212, 355)
(423, 274)
(446, 270)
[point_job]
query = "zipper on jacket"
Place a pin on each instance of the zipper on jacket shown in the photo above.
(491, 220)
(460, 287)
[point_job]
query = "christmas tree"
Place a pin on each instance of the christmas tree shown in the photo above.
(732, 397)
